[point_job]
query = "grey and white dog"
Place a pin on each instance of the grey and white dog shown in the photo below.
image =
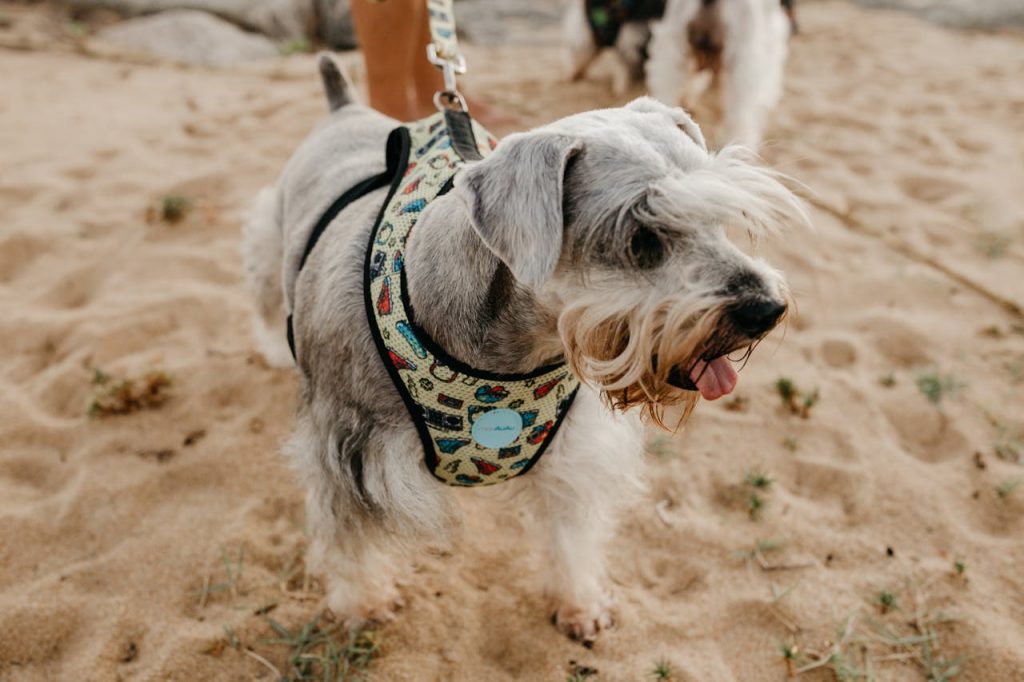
(598, 238)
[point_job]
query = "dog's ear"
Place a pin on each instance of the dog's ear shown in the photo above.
(514, 197)
(678, 115)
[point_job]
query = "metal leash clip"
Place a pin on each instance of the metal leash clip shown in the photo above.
(450, 98)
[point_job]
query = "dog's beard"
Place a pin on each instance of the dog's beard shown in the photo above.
(635, 356)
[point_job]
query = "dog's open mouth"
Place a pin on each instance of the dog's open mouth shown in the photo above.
(714, 378)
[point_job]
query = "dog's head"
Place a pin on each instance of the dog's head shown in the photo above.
(616, 220)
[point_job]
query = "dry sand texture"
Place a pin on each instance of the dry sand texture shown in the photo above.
(120, 536)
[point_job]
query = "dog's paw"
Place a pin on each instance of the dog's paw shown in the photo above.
(583, 623)
(375, 609)
(272, 345)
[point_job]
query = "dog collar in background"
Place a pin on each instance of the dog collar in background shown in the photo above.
(476, 427)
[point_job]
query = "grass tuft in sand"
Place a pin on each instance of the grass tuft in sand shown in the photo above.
(937, 387)
(233, 571)
(318, 652)
(172, 208)
(866, 647)
(123, 396)
(1007, 488)
(662, 670)
(758, 483)
(794, 399)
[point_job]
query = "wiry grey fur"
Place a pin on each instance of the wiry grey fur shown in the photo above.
(543, 225)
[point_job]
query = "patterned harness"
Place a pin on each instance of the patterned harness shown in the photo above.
(476, 427)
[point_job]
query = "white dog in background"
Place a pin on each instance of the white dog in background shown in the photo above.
(689, 45)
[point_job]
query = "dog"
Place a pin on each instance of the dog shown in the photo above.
(597, 240)
(688, 46)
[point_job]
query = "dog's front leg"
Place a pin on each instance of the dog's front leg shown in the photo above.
(368, 500)
(582, 485)
(668, 65)
(576, 577)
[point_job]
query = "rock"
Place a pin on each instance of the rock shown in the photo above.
(190, 37)
(960, 13)
(334, 24)
(278, 19)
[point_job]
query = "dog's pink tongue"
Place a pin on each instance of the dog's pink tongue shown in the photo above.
(718, 380)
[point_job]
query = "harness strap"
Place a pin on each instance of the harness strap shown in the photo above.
(340, 204)
(460, 129)
(442, 30)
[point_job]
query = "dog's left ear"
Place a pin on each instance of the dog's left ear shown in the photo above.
(678, 115)
(514, 197)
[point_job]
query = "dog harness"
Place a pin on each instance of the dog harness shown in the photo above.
(476, 427)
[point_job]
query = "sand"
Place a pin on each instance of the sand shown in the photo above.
(120, 536)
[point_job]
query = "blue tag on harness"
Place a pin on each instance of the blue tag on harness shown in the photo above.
(497, 428)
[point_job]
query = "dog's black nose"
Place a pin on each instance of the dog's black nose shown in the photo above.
(754, 319)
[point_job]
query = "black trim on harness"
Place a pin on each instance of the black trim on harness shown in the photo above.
(399, 143)
(340, 204)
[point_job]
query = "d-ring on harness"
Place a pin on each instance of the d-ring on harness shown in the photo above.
(476, 427)
(443, 52)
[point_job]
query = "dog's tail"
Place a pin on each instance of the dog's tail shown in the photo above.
(336, 86)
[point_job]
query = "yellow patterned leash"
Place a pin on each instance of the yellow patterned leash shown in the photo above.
(443, 52)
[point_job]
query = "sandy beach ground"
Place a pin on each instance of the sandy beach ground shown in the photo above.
(158, 545)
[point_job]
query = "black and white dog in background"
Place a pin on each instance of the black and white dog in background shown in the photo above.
(688, 45)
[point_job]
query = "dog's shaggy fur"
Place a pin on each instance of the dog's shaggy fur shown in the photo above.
(598, 238)
(738, 45)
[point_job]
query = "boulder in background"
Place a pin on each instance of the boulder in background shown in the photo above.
(334, 24)
(278, 19)
(190, 37)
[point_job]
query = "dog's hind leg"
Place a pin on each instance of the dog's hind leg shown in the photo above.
(753, 67)
(580, 47)
(368, 502)
(630, 48)
(743, 98)
(580, 487)
(668, 64)
(261, 257)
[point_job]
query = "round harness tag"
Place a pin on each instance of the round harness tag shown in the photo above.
(497, 428)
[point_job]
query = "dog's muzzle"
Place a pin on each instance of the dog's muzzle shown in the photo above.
(757, 318)
(746, 324)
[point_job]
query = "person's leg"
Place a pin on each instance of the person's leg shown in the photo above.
(393, 35)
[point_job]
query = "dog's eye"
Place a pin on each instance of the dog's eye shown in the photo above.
(646, 249)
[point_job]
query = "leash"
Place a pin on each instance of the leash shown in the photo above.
(443, 52)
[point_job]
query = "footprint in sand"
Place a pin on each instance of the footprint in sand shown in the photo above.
(75, 289)
(32, 476)
(897, 342)
(997, 515)
(17, 253)
(925, 431)
(832, 476)
(930, 188)
(838, 353)
(39, 632)
(666, 575)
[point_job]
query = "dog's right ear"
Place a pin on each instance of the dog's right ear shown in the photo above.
(514, 197)
(678, 115)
